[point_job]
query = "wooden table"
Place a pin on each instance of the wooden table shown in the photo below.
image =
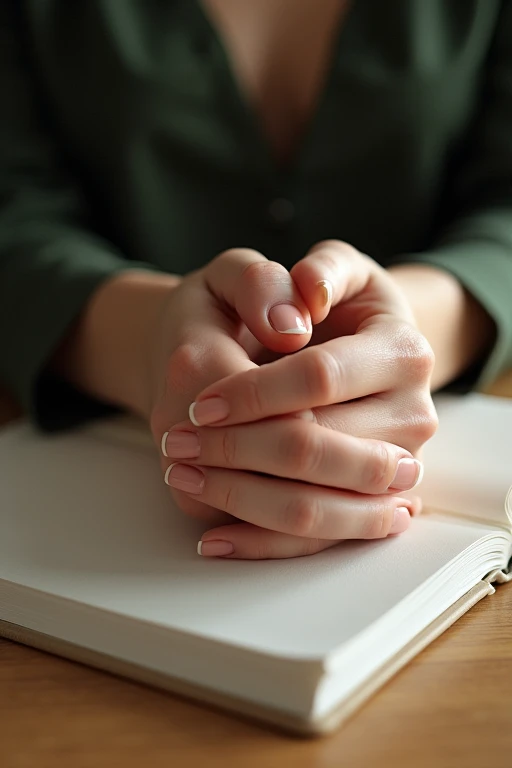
(451, 707)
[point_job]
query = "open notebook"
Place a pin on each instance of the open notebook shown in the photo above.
(96, 565)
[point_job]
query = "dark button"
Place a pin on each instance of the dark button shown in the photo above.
(281, 212)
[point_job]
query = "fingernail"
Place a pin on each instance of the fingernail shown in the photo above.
(181, 444)
(401, 520)
(409, 473)
(326, 289)
(208, 411)
(286, 318)
(214, 548)
(184, 478)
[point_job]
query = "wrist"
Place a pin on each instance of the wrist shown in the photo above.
(108, 352)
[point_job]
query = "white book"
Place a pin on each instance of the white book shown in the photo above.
(97, 565)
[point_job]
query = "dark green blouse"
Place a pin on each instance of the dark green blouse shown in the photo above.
(124, 139)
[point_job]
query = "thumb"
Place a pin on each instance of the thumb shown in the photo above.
(264, 296)
(238, 287)
(334, 272)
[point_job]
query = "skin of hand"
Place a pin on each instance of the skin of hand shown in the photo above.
(457, 327)
(333, 470)
(209, 312)
(150, 342)
(184, 334)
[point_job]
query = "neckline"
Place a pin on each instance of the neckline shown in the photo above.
(256, 144)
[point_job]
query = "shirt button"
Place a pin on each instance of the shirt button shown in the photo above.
(281, 212)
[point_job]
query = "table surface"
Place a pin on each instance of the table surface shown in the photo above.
(452, 707)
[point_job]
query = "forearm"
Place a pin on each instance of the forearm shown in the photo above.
(106, 354)
(458, 329)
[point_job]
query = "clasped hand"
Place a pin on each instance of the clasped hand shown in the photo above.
(287, 454)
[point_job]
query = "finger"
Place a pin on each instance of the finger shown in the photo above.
(416, 507)
(289, 507)
(298, 450)
(244, 541)
(248, 542)
(247, 287)
(194, 508)
(264, 296)
(337, 371)
(385, 356)
(208, 352)
(383, 350)
(334, 272)
(408, 419)
(238, 286)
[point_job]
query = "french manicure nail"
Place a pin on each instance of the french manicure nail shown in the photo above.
(401, 520)
(326, 289)
(180, 444)
(185, 478)
(208, 411)
(286, 318)
(215, 548)
(409, 473)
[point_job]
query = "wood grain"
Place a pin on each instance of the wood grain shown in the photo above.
(451, 707)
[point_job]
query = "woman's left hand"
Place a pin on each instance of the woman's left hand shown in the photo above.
(365, 375)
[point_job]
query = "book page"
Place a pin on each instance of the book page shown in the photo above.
(468, 463)
(92, 521)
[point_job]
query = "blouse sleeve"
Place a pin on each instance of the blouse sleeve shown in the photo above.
(475, 241)
(51, 260)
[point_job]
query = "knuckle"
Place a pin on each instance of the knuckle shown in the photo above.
(229, 255)
(417, 354)
(229, 448)
(302, 516)
(424, 424)
(378, 522)
(378, 471)
(248, 259)
(331, 252)
(323, 376)
(230, 499)
(300, 449)
(184, 368)
(253, 274)
(337, 248)
(250, 397)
